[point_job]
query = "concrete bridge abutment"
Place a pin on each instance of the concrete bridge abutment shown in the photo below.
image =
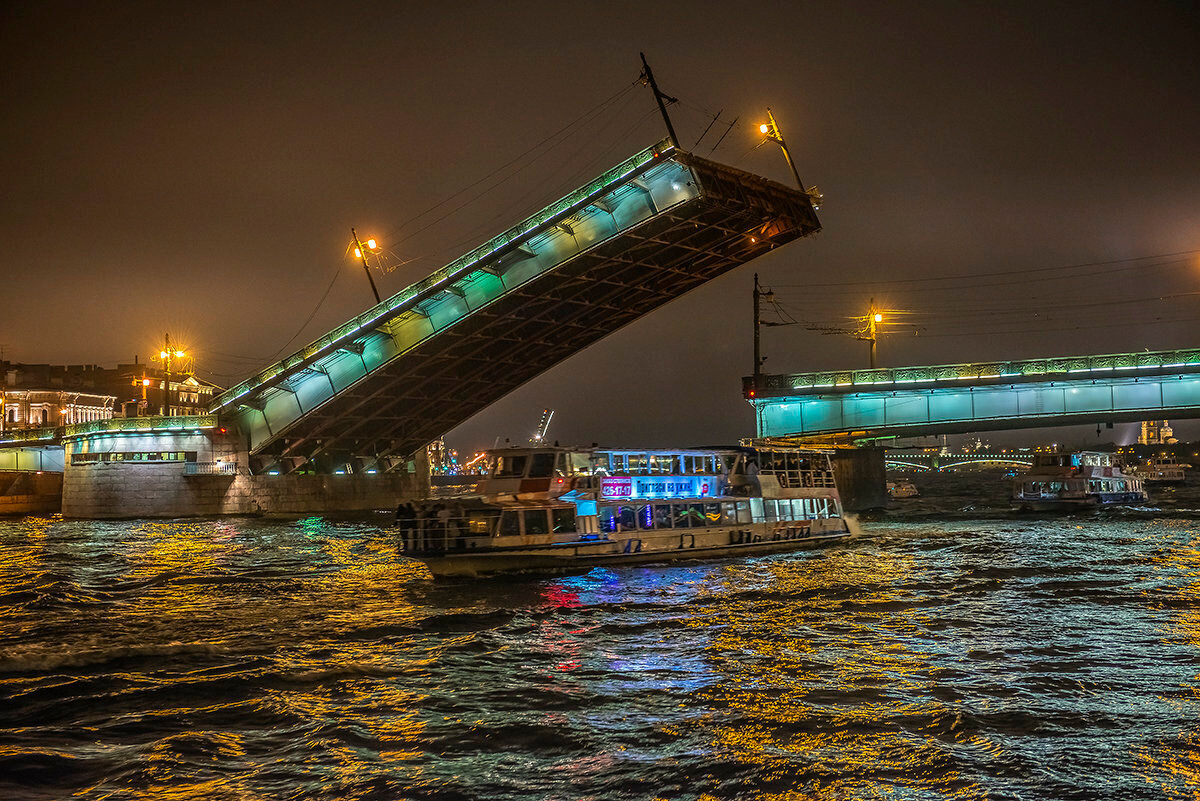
(861, 478)
(190, 467)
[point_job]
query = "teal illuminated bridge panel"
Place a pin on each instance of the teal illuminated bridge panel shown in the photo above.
(952, 398)
(404, 372)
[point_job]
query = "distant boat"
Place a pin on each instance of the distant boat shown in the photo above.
(902, 489)
(1159, 470)
(1076, 480)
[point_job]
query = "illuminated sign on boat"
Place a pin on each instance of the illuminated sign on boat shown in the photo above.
(657, 487)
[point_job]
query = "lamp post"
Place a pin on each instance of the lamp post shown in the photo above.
(771, 130)
(871, 332)
(166, 354)
(361, 253)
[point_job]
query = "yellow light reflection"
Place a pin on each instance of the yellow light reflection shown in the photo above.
(1172, 763)
(785, 691)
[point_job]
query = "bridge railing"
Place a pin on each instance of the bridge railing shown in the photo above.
(30, 436)
(513, 236)
(860, 380)
(143, 424)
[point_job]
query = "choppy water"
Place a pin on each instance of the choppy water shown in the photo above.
(953, 650)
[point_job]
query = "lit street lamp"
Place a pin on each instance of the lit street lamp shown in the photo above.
(360, 252)
(168, 355)
(770, 129)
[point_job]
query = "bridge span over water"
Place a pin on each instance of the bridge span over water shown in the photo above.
(401, 374)
(980, 396)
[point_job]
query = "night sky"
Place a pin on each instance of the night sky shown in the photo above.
(197, 170)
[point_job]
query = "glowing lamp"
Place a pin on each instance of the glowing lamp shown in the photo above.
(162, 354)
(879, 318)
(357, 253)
(764, 128)
(179, 354)
(371, 244)
(145, 382)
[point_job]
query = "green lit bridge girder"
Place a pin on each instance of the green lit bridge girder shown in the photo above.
(961, 398)
(424, 360)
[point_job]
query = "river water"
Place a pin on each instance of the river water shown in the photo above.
(954, 649)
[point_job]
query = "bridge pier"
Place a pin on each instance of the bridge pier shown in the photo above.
(861, 478)
(193, 467)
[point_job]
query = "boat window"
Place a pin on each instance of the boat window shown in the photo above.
(480, 522)
(510, 523)
(627, 517)
(607, 517)
(645, 516)
(510, 466)
(560, 465)
(535, 521)
(680, 512)
(662, 515)
(769, 508)
(584, 463)
(542, 465)
(712, 514)
(743, 512)
(637, 462)
(756, 510)
(562, 519)
(696, 513)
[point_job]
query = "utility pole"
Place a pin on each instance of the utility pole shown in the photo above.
(758, 357)
(362, 252)
(659, 96)
(166, 354)
(874, 318)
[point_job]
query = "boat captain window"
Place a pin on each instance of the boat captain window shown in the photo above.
(542, 465)
(535, 521)
(510, 523)
(562, 519)
(510, 466)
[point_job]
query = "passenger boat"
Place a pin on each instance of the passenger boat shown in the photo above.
(1159, 470)
(558, 510)
(902, 489)
(1076, 480)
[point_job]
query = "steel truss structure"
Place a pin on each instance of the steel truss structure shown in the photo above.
(374, 391)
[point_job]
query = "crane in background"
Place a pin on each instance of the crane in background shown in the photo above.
(539, 435)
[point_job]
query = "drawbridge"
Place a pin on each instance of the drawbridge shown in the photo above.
(378, 388)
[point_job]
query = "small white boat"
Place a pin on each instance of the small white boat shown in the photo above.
(901, 489)
(1076, 480)
(559, 510)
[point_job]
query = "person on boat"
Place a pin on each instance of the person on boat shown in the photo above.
(406, 520)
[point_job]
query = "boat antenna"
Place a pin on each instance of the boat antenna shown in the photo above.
(647, 78)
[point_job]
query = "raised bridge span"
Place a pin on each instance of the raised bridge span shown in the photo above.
(402, 373)
(979, 396)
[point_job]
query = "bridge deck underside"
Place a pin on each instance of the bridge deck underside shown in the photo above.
(438, 383)
(984, 408)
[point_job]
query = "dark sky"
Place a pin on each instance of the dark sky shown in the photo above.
(196, 169)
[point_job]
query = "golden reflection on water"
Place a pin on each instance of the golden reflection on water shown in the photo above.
(793, 702)
(1174, 765)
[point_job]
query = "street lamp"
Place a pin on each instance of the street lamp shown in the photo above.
(360, 252)
(167, 354)
(770, 129)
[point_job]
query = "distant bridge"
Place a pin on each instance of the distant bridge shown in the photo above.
(936, 462)
(969, 397)
(404, 372)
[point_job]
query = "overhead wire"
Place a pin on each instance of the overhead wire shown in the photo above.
(944, 278)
